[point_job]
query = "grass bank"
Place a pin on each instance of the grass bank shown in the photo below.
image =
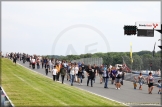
(27, 88)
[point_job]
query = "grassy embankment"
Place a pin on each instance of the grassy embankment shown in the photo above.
(27, 88)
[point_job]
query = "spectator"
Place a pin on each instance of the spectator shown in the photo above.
(106, 77)
(72, 74)
(63, 72)
(95, 69)
(150, 81)
(80, 76)
(68, 71)
(113, 73)
(58, 71)
(141, 81)
(54, 71)
(159, 86)
(76, 72)
(91, 74)
(46, 68)
(118, 78)
(101, 73)
(33, 62)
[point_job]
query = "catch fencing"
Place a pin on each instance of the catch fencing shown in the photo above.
(90, 61)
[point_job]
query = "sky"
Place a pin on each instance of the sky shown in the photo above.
(68, 28)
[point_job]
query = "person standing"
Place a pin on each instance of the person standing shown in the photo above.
(46, 68)
(33, 63)
(150, 81)
(68, 71)
(159, 86)
(63, 72)
(42, 61)
(140, 80)
(72, 74)
(38, 61)
(80, 76)
(106, 77)
(54, 71)
(135, 82)
(95, 68)
(118, 78)
(20, 56)
(76, 72)
(30, 61)
(50, 65)
(24, 58)
(14, 59)
(101, 73)
(113, 74)
(58, 71)
(91, 74)
(83, 68)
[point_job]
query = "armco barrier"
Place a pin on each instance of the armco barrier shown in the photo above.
(5, 101)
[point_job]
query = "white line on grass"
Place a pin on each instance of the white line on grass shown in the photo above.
(80, 88)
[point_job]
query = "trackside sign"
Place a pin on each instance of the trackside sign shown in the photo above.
(148, 25)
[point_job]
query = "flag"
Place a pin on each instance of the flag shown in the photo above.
(154, 50)
(131, 53)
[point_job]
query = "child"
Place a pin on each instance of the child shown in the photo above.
(54, 71)
(159, 86)
(135, 82)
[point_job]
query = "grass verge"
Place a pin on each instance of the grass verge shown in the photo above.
(27, 88)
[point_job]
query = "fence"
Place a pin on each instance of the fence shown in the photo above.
(91, 61)
(143, 63)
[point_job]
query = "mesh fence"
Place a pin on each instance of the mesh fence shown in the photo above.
(143, 63)
(91, 61)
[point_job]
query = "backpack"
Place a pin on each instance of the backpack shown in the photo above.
(119, 75)
(100, 71)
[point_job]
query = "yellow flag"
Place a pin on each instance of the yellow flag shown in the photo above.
(131, 53)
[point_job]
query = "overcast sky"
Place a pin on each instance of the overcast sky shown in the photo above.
(64, 28)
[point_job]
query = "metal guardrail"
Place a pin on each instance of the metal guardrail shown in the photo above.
(5, 101)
